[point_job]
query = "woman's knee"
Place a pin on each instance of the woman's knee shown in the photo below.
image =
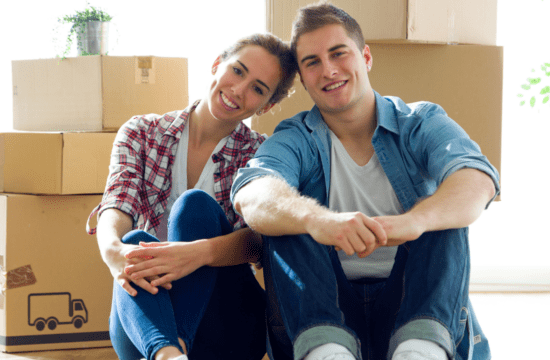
(134, 237)
(195, 203)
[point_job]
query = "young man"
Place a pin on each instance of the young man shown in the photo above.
(392, 186)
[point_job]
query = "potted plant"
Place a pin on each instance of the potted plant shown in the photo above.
(91, 29)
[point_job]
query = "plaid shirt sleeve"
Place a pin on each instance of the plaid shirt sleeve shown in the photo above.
(240, 148)
(125, 172)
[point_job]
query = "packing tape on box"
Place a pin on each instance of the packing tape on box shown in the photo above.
(145, 70)
(22, 276)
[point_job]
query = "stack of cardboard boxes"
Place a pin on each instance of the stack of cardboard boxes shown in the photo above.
(56, 290)
(443, 51)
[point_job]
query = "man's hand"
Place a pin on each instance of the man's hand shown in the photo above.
(352, 232)
(165, 262)
(400, 228)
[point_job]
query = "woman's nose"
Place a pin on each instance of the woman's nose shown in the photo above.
(238, 88)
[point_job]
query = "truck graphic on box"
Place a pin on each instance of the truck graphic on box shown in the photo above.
(52, 309)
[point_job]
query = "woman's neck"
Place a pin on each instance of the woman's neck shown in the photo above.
(205, 129)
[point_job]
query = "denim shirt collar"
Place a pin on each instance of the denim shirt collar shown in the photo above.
(386, 118)
(385, 115)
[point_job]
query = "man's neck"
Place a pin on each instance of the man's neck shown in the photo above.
(355, 128)
(358, 122)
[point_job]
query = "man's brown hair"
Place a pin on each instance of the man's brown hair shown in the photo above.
(315, 16)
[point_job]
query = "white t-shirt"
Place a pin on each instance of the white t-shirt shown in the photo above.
(365, 189)
(179, 178)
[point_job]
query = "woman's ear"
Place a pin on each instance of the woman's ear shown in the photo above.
(215, 65)
(265, 109)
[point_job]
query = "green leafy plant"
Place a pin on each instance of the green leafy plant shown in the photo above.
(79, 20)
(537, 88)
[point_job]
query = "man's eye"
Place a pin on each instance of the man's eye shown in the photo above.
(313, 62)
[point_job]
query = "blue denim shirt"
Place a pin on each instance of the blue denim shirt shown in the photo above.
(417, 144)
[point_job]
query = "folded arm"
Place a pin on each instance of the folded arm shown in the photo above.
(457, 203)
(173, 260)
(271, 207)
(113, 224)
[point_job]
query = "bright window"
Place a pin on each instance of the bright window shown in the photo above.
(511, 241)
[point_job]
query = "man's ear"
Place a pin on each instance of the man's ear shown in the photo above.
(215, 65)
(265, 109)
(368, 57)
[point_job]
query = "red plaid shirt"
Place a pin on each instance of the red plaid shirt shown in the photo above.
(139, 181)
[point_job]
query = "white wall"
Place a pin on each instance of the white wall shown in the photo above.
(196, 29)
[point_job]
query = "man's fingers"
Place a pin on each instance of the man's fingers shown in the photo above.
(377, 230)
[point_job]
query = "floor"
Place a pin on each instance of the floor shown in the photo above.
(517, 325)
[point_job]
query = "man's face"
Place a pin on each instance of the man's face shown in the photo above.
(332, 68)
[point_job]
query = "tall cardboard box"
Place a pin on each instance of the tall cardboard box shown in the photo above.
(56, 290)
(466, 80)
(54, 163)
(424, 21)
(95, 92)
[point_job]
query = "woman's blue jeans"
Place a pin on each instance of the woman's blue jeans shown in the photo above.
(311, 302)
(217, 312)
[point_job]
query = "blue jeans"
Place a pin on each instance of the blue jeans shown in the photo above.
(311, 302)
(217, 312)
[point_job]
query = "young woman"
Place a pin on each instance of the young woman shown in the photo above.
(167, 230)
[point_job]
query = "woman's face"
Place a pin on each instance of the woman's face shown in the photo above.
(244, 83)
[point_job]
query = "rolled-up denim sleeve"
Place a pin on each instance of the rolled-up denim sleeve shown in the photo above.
(443, 147)
(286, 155)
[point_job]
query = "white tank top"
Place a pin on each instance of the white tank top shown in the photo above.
(179, 178)
(365, 189)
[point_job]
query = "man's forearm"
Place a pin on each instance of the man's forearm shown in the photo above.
(457, 203)
(271, 207)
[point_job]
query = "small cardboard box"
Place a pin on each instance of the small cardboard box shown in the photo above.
(56, 290)
(95, 92)
(424, 21)
(466, 80)
(55, 163)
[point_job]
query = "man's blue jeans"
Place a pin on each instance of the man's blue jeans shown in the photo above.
(217, 312)
(311, 302)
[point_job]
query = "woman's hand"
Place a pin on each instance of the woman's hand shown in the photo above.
(117, 264)
(165, 262)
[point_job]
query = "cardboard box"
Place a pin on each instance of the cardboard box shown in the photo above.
(95, 92)
(56, 290)
(466, 80)
(424, 21)
(55, 163)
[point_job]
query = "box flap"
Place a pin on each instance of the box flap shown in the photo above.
(131, 87)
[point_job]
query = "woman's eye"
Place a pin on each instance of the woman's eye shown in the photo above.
(237, 71)
(258, 90)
